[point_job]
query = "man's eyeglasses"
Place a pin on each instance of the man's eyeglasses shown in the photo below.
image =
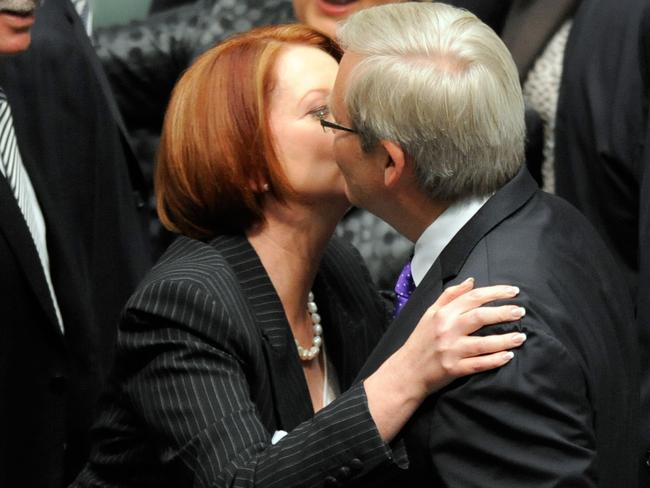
(326, 124)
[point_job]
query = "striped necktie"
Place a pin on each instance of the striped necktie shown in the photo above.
(83, 9)
(12, 168)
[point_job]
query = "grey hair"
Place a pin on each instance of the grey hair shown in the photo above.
(441, 84)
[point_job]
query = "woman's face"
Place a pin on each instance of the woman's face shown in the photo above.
(323, 15)
(304, 79)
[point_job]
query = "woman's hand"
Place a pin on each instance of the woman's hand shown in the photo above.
(440, 349)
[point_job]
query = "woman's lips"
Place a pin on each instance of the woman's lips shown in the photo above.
(336, 8)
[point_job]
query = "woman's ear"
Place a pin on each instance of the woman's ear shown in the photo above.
(394, 169)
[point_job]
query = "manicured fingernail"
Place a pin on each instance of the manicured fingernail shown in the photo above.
(468, 280)
(514, 290)
(519, 339)
(518, 312)
(507, 356)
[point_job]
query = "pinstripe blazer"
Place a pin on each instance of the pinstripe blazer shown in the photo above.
(207, 370)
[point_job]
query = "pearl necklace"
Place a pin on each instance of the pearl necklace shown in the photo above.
(307, 354)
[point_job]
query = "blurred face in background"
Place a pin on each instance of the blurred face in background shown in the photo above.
(16, 20)
(323, 15)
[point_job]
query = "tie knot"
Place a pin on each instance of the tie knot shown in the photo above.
(403, 288)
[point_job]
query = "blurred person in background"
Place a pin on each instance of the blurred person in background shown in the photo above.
(72, 240)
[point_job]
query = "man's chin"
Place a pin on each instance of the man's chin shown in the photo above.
(15, 43)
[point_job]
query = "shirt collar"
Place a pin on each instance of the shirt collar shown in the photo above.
(440, 233)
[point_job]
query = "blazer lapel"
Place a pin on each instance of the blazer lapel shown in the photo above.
(530, 25)
(289, 387)
(16, 232)
(341, 332)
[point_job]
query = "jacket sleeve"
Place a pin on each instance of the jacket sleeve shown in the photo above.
(187, 387)
(527, 424)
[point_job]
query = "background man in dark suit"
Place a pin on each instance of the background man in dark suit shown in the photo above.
(443, 167)
(601, 124)
(56, 341)
(643, 304)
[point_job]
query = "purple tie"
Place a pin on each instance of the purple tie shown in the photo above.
(403, 288)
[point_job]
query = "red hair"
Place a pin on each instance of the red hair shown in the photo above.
(216, 150)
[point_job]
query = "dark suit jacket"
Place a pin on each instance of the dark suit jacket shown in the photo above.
(207, 371)
(74, 151)
(564, 411)
(601, 124)
(643, 302)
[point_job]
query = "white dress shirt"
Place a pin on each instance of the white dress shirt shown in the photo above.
(440, 233)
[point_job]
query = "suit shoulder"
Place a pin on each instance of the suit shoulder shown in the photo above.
(188, 266)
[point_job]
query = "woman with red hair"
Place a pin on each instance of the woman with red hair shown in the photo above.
(237, 355)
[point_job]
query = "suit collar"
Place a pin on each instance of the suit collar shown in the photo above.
(440, 233)
(16, 232)
(343, 325)
(501, 205)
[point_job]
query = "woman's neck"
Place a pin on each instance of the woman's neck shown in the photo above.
(290, 244)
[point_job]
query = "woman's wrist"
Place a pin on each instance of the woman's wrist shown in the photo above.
(394, 392)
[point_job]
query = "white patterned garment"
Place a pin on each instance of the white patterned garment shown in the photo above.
(541, 91)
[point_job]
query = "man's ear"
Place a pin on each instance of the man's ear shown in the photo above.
(394, 169)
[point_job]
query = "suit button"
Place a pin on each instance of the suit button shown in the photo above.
(343, 473)
(356, 465)
(331, 481)
(58, 383)
(647, 459)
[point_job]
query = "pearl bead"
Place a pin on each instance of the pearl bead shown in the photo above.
(317, 341)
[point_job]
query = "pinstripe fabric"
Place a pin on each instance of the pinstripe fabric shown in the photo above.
(207, 370)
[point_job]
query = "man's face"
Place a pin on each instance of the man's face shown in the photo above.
(363, 172)
(16, 20)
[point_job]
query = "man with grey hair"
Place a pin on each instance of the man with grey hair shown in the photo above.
(429, 135)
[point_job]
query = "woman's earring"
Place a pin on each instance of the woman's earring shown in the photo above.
(265, 187)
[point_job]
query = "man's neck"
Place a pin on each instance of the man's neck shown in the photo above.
(412, 214)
